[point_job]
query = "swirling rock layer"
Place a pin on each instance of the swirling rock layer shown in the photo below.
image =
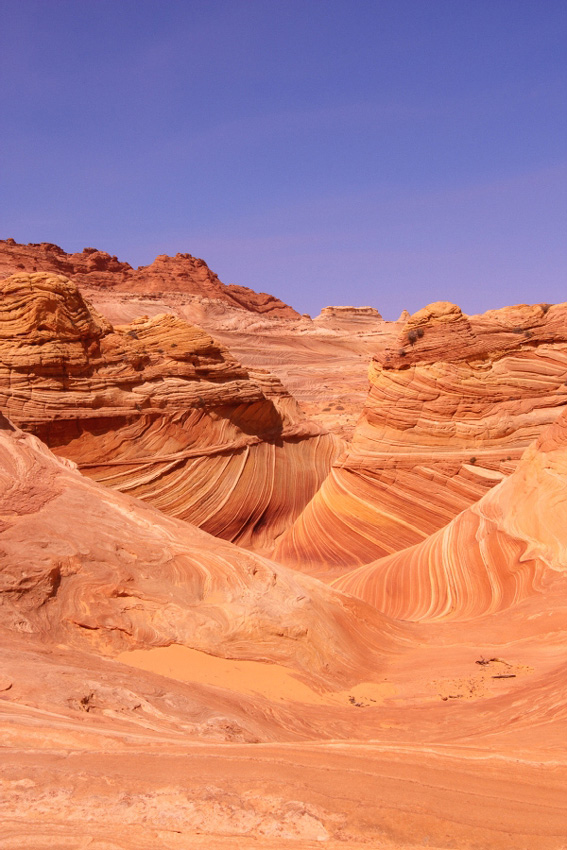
(100, 752)
(142, 661)
(452, 406)
(158, 409)
(490, 557)
(105, 571)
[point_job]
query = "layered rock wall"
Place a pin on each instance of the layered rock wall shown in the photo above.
(452, 405)
(182, 273)
(159, 409)
(501, 550)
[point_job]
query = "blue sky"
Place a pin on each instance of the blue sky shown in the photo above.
(389, 153)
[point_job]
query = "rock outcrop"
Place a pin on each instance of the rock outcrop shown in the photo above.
(157, 408)
(501, 550)
(453, 403)
(97, 750)
(142, 660)
(323, 362)
(348, 318)
(180, 274)
(106, 572)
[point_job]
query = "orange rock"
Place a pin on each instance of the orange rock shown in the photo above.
(491, 556)
(180, 274)
(105, 571)
(323, 362)
(142, 661)
(159, 409)
(453, 403)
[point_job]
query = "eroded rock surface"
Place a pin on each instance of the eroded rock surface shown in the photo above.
(105, 571)
(143, 661)
(112, 755)
(180, 274)
(322, 362)
(503, 549)
(159, 409)
(453, 403)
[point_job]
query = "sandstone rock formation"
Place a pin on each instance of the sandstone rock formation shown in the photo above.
(323, 362)
(105, 571)
(419, 702)
(180, 274)
(453, 403)
(106, 753)
(501, 550)
(351, 318)
(158, 409)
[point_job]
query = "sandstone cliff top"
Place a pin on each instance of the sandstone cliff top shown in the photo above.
(182, 273)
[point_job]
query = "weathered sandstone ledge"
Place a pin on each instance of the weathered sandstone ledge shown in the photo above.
(159, 409)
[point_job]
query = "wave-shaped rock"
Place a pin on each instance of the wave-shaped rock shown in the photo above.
(453, 403)
(159, 409)
(492, 556)
(103, 570)
(182, 273)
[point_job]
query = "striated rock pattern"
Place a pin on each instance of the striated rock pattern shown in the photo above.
(142, 660)
(107, 572)
(452, 405)
(180, 274)
(324, 365)
(323, 362)
(111, 755)
(490, 557)
(348, 318)
(159, 409)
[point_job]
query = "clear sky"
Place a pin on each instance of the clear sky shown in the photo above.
(380, 152)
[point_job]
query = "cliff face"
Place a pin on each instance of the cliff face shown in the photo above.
(158, 409)
(453, 403)
(180, 274)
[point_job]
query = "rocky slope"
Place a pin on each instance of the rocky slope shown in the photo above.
(180, 274)
(503, 549)
(374, 733)
(453, 403)
(158, 409)
(143, 661)
(322, 362)
(105, 571)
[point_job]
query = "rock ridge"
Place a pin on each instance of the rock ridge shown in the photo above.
(182, 273)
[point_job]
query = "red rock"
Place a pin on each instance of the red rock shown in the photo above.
(106, 571)
(501, 550)
(98, 750)
(148, 660)
(180, 274)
